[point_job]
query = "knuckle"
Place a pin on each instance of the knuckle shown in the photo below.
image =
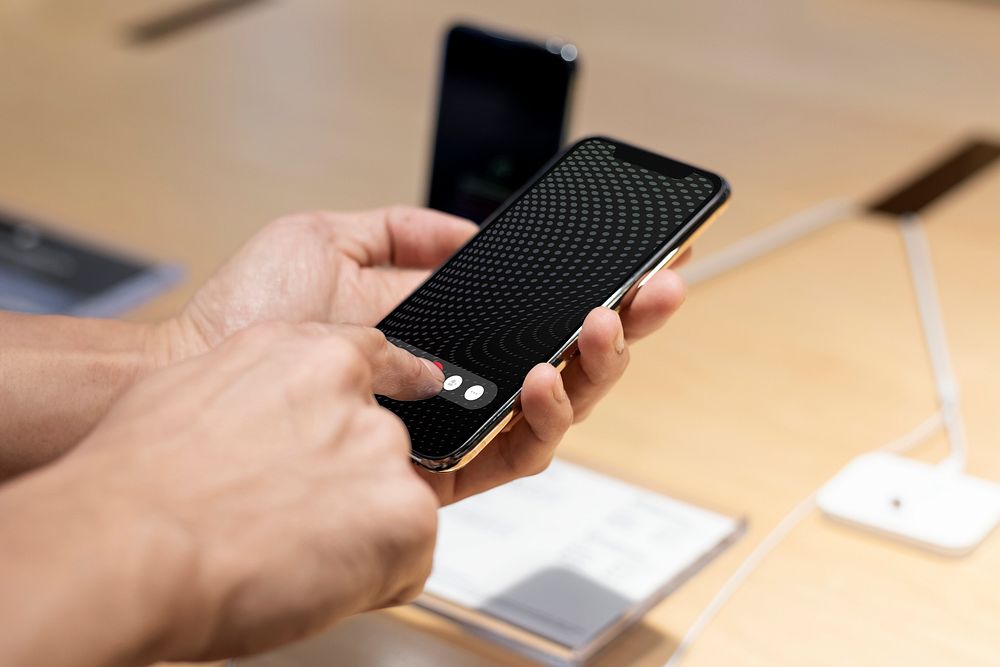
(416, 569)
(310, 220)
(373, 338)
(352, 343)
(389, 434)
(399, 213)
(407, 543)
(354, 369)
(318, 358)
(335, 349)
(421, 565)
(425, 510)
(407, 508)
(415, 507)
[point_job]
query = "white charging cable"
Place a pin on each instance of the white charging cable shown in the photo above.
(932, 323)
(948, 416)
(766, 240)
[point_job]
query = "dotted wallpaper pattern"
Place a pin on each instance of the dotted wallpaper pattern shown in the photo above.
(522, 287)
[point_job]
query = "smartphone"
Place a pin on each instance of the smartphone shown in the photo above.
(597, 221)
(502, 112)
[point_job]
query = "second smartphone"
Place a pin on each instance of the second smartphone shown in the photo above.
(502, 110)
(596, 221)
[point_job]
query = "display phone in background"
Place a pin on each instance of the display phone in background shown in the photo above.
(598, 219)
(502, 112)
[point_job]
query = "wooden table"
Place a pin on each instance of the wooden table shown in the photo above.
(770, 379)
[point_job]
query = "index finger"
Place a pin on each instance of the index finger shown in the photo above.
(395, 372)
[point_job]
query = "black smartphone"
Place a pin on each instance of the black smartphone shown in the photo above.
(599, 219)
(502, 111)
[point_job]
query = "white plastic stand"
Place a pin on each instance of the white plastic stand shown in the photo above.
(926, 505)
(932, 506)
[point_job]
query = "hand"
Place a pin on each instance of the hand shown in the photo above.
(355, 267)
(348, 268)
(286, 494)
(61, 375)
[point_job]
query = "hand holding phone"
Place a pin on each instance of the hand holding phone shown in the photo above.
(595, 222)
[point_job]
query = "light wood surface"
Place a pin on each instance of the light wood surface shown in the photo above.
(770, 379)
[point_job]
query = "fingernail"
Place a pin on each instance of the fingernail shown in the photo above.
(558, 391)
(433, 387)
(620, 341)
(435, 370)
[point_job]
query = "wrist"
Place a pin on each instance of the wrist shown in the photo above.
(82, 552)
(60, 377)
(173, 340)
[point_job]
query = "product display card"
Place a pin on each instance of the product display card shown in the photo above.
(570, 556)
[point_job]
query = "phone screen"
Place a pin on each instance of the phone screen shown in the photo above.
(520, 289)
(501, 112)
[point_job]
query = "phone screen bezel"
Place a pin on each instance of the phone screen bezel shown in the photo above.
(651, 161)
